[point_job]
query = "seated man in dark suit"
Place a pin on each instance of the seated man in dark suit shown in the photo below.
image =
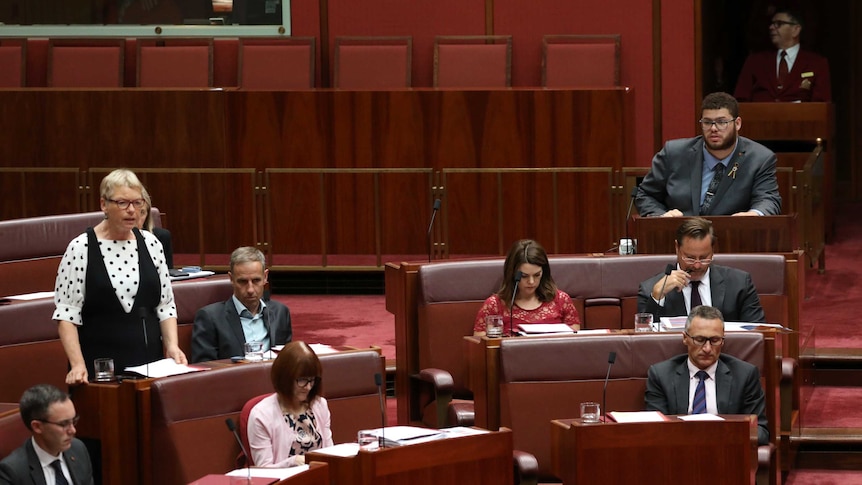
(696, 281)
(704, 381)
(221, 329)
(787, 73)
(718, 173)
(53, 450)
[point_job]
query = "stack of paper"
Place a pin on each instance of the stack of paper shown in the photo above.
(545, 328)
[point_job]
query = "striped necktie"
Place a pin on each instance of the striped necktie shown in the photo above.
(717, 175)
(698, 405)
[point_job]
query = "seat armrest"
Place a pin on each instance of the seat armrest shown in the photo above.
(461, 413)
(433, 385)
(526, 468)
(439, 378)
(788, 393)
(767, 469)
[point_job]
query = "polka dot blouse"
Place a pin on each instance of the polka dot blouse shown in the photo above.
(121, 260)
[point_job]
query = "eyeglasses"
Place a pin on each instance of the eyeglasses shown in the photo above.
(124, 204)
(720, 124)
(703, 261)
(65, 424)
(780, 23)
(305, 381)
(701, 341)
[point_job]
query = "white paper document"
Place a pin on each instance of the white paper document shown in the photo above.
(544, 328)
(191, 276)
(279, 473)
(406, 435)
(32, 296)
(637, 416)
(343, 450)
(321, 349)
(700, 417)
(163, 368)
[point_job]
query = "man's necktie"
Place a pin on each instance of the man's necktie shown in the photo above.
(58, 473)
(717, 175)
(695, 294)
(782, 69)
(698, 405)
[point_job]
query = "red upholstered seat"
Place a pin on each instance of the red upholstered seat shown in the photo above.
(472, 62)
(580, 61)
(85, 63)
(13, 60)
(372, 62)
(243, 429)
(276, 64)
(175, 63)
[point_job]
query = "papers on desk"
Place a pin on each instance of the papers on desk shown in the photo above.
(595, 331)
(672, 324)
(163, 368)
(182, 276)
(32, 296)
(277, 473)
(700, 417)
(342, 450)
(637, 416)
(677, 324)
(545, 328)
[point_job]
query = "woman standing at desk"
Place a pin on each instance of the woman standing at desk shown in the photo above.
(538, 300)
(113, 285)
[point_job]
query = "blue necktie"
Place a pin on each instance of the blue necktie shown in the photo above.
(58, 473)
(698, 405)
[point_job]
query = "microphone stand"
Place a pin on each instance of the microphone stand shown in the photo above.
(143, 312)
(232, 427)
(631, 246)
(431, 225)
(612, 357)
(378, 380)
(512, 306)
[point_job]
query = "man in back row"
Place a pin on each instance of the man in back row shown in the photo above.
(719, 173)
(222, 329)
(704, 380)
(696, 281)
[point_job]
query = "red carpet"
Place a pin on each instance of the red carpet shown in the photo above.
(824, 477)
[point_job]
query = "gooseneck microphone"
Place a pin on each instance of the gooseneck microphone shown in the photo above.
(431, 225)
(378, 380)
(518, 275)
(232, 427)
(629, 214)
(612, 357)
(142, 311)
(667, 271)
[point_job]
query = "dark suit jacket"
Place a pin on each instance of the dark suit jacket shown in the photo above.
(731, 289)
(758, 80)
(674, 181)
(22, 466)
(217, 333)
(737, 389)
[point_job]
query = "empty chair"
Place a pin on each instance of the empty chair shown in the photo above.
(13, 62)
(473, 61)
(372, 62)
(175, 63)
(570, 61)
(276, 64)
(85, 63)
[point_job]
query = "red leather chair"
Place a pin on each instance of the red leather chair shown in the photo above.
(372, 62)
(276, 64)
(483, 61)
(571, 61)
(13, 63)
(175, 63)
(85, 63)
(243, 429)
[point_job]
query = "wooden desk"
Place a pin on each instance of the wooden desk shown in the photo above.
(317, 474)
(484, 459)
(676, 451)
(767, 234)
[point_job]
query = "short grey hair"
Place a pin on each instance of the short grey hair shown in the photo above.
(247, 254)
(705, 312)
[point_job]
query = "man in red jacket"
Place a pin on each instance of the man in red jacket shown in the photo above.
(787, 74)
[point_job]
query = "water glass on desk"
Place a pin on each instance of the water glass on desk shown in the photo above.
(643, 322)
(494, 326)
(104, 369)
(254, 351)
(590, 412)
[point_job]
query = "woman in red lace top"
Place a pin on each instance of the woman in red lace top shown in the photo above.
(537, 299)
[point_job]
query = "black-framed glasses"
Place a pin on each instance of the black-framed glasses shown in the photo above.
(703, 261)
(720, 124)
(305, 381)
(699, 340)
(65, 424)
(780, 23)
(124, 204)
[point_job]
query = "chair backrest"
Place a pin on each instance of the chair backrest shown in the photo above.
(85, 63)
(243, 429)
(372, 62)
(483, 61)
(192, 295)
(276, 64)
(13, 433)
(560, 373)
(13, 63)
(175, 63)
(570, 61)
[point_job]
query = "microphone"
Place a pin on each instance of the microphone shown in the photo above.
(667, 271)
(518, 275)
(431, 225)
(232, 427)
(631, 247)
(378, 380)
(143, 311)
(612, 357)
